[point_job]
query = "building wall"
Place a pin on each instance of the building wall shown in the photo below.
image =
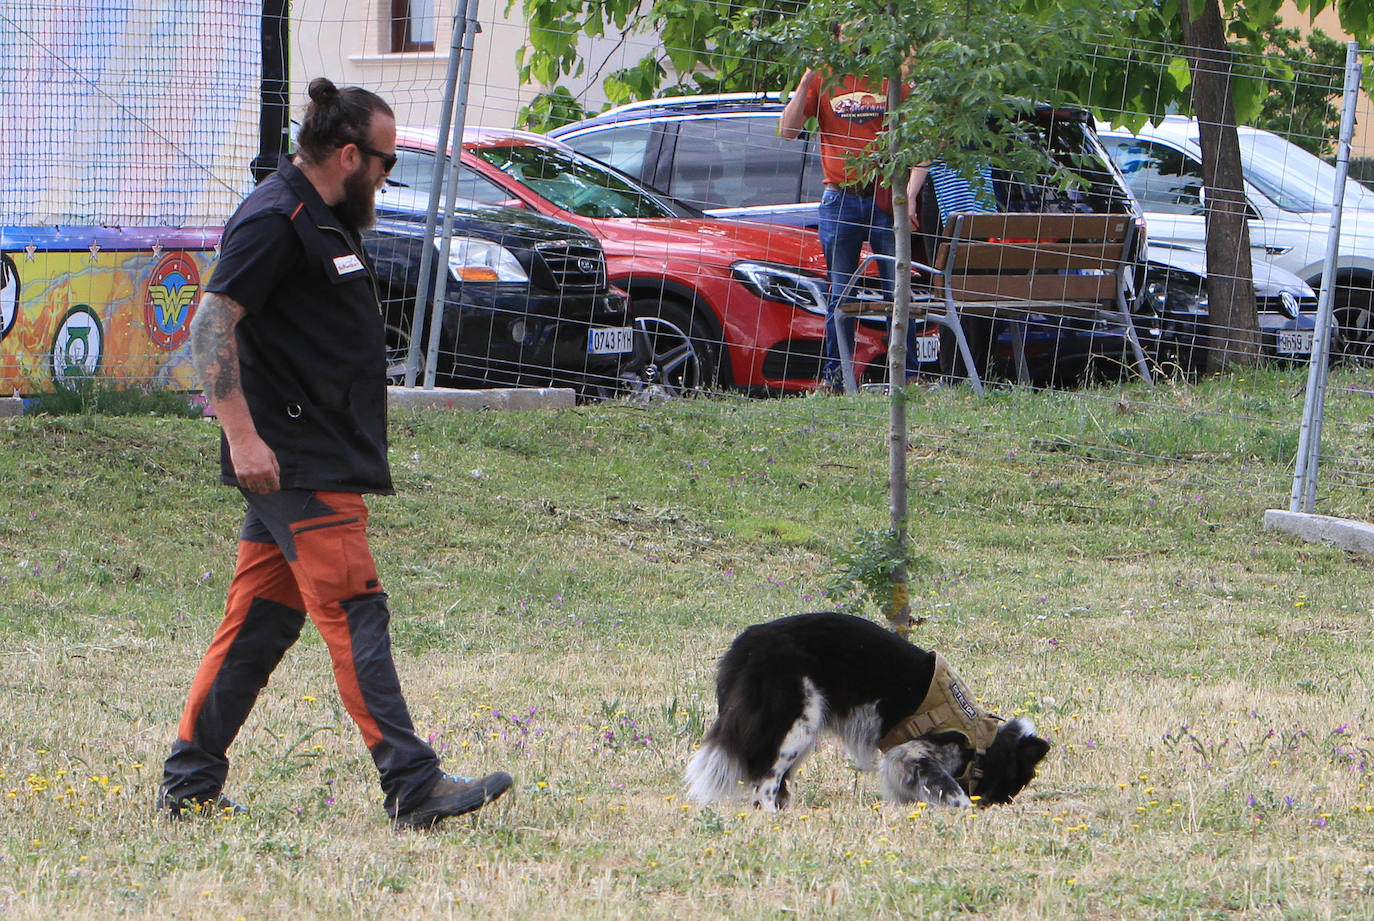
(349, 41)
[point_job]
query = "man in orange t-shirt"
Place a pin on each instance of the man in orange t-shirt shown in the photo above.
(850, 113)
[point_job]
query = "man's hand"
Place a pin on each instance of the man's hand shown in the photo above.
(255, 463)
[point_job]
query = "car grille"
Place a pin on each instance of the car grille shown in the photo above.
(1275, 305)
(574, 267)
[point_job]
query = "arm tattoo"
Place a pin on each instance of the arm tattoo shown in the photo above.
(214, 348)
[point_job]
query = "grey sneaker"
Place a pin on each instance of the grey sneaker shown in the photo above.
(219, 806)
(453, 796)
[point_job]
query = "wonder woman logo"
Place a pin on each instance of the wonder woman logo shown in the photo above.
(173, 293)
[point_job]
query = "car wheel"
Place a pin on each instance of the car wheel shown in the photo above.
(687, 320)
(675, 367)
(1354, 314)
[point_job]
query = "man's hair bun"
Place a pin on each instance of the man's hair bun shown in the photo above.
(323, 91)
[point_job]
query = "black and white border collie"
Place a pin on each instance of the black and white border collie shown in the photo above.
(895, 707)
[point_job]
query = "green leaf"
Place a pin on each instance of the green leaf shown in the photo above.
(1181, 72)
(1248, 94)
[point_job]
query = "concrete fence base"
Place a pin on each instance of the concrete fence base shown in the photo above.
(440, 398)
(1355, 536)
(510, 398)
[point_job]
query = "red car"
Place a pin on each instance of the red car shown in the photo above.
(748, 297)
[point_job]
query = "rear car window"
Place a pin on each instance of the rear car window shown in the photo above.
(736, 162)
(414, 170)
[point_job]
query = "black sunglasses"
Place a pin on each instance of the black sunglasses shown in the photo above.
(388, 159)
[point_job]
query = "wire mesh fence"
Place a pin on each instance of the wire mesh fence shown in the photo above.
(668, 246)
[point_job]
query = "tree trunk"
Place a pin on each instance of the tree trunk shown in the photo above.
(899, 606)
(1234, 337)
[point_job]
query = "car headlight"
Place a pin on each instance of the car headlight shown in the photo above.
(475, 259)
(1165, 298)
(784, 285)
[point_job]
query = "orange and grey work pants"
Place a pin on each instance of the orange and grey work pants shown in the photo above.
(301, 551)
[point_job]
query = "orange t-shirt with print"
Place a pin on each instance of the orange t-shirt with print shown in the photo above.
(850, 114)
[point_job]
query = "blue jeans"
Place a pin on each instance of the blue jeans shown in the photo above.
(847, 221)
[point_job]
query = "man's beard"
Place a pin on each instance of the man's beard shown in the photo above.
(359, 206)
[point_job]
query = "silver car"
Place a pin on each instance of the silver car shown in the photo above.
(1290, 196)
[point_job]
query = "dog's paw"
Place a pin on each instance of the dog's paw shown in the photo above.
(939, 789)
(770, 795)
(916, 772)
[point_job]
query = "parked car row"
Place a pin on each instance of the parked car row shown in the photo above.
(670, 244)
(722, 154)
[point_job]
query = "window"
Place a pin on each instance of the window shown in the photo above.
(410, 181)
(736, 162)
(477, 189)
(1162, 178)
(414, 170)
(623, 147)
(412, 25)
(573, 182)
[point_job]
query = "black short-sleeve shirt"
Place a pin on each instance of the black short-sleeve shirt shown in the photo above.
(311, 342)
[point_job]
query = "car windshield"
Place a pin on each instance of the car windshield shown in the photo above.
(573, 182)
(1294, 179)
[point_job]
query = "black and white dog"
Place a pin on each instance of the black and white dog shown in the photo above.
(895, 707)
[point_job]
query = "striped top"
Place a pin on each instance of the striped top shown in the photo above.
(955, 193)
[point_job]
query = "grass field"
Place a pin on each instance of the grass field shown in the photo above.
(562, 584)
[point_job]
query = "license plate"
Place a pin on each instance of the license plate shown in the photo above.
(1295, 342)
(928, 349)
(613, 340)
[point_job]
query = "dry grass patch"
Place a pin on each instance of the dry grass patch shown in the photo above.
(1099, 569)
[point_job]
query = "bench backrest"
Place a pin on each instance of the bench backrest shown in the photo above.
(1035, 257)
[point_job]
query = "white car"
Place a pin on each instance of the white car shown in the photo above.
(1290, 194)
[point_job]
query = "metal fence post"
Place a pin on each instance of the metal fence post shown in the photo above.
(436, 186)
(436, 315)
(1304, 495)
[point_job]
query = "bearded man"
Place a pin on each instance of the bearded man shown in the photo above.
(289, 346)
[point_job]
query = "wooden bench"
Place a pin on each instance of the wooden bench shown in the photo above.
(1011, 265)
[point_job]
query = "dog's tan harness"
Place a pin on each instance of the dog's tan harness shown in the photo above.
(948, 707)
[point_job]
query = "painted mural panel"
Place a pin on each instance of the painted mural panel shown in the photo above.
(107, 303)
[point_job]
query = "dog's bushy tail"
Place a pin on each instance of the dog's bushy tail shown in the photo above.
(713, 774)
(755, 711)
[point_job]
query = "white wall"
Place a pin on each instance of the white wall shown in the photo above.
(347, 41)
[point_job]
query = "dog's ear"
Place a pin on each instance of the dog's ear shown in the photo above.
(1010, 761)
(1032, 749)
